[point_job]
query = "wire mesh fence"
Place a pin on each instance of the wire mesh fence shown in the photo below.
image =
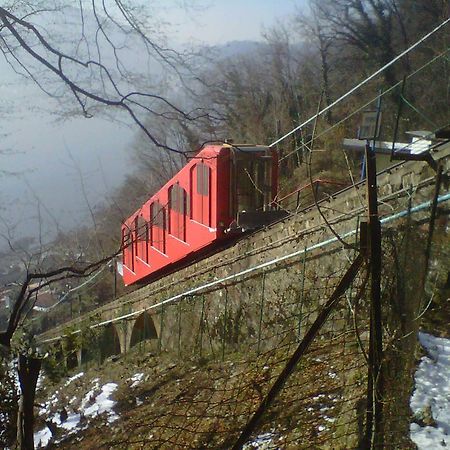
(250, 331)
(234, 341)
(231, 343)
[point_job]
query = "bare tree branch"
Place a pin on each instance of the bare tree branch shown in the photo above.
(20, 35)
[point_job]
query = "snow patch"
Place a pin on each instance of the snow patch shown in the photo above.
(103, 403)
(45, 408)
(75, 377)
(91, 406)
(40, 381)
(71, 422)
(430, 401)
(261, 442)
(136, 379)
(42, 437)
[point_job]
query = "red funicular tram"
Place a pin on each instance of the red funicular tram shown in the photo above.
(224, 189)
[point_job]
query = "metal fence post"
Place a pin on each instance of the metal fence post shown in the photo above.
(179, 329)
(302, 291)
(374, 421)
(355, 253)
(261, 310)
(208, 330)
(161, 326)
(201, 325)
(225, 318)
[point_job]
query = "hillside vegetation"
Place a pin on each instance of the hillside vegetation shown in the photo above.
(153, 398)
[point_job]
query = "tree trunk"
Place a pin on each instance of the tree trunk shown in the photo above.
(28, 371)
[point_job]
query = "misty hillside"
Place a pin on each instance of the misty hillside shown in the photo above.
(164, 287)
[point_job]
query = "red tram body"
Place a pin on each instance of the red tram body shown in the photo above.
(224, 188)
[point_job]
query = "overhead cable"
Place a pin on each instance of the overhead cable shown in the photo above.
(220, 282)
(362, 83)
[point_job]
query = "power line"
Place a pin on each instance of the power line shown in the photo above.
(173, 299)
(365, 105)
(96, 274)
(362, 83)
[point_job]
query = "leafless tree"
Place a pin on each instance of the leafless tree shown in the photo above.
(378, 29)
(29, 362)
(79, 54)
(314, 29)
(90, 59)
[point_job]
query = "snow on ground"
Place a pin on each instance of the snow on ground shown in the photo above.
(430, 401)
(75, 377)
(71, 424)
(103, 403)
(261, 442)
(91, 406)
(136, 379)
(40, 380)
(42, 437)
(45, 408)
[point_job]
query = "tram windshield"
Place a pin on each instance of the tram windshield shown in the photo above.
(253, 179)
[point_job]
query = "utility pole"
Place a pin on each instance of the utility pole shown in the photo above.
(374, 397)
(374, 418)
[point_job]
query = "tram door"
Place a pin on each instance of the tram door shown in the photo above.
(201, 194)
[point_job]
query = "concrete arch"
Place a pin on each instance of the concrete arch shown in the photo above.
(72, 360)
(70, 351)
(109, 342)
(58, 352)
(89, 355)
(143, 329)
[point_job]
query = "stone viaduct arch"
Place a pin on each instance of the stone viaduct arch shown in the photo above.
(130, 326)
(109, 342)
(143, 330)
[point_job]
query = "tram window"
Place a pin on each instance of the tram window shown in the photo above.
(158, 226)
(128, 249)
(191, 197)
(177, 198)
(200, 184)
(136, 235)
(126, 239)
(141, 232)
(252, 183)
(177, 216)
(158, 215)
(187, 204)
(202, 179)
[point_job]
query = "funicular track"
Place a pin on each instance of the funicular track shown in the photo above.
(393, 198)
(402, 188)
(234, 317)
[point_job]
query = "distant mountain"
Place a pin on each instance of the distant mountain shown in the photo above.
(238, 48)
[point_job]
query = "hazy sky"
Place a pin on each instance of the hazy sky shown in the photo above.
(228, 20)
(41, 144)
